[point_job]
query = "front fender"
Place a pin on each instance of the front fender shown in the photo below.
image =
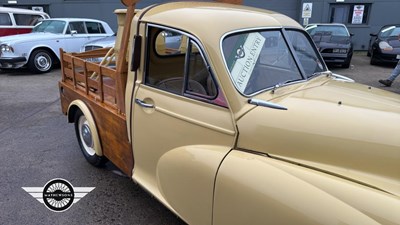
(54, 49)
(186, 177)
(256, 189)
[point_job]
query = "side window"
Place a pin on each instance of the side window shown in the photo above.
(305, 52)
(26, 19)
(5, 19)
(94, 28)
(78, 27)
(199, 72)
(169, 42)
(176, 65)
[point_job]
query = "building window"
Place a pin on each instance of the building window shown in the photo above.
(351, 14)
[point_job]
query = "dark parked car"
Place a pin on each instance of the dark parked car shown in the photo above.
(333, 41)
(385, 45)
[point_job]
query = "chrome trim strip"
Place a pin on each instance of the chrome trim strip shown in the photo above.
(195, 122)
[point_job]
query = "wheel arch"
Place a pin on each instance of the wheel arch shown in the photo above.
(71, 112)
(54, 54)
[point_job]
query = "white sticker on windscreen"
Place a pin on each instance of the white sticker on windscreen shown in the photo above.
(245, 60)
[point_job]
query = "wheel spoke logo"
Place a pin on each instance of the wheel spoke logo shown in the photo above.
(58, 195)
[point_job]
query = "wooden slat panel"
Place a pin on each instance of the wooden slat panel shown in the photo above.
(80, 77)
(90, 78)
(68, 73)
(67, 58)
(93, 84)
(110, 91)
(78, 62)
(93, 67)
(110, 72)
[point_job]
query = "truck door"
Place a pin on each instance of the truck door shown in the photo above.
(180, 115)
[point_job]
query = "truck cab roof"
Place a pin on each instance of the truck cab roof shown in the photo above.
(183, 15)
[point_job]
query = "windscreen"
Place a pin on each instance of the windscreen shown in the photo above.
(334, 30)
(391, 31)
(260, 60)
(50, 26)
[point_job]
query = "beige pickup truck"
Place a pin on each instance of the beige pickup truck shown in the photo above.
(228, 115)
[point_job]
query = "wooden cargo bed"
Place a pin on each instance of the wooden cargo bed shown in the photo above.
(96, 85)
(95, 80)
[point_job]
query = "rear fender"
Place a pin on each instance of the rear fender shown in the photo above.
(80, 105)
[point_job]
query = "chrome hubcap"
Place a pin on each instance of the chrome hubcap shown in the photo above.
(43, 62)
(86, 136)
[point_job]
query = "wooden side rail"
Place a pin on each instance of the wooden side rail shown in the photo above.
(93, 79)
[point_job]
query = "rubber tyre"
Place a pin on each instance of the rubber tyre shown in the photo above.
(373, 61)
(346, 64)
(40, 61)
(82, 125)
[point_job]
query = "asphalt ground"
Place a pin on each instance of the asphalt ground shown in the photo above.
(37, 145)
(362, 72)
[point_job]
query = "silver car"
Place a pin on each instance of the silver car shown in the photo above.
(39, 50)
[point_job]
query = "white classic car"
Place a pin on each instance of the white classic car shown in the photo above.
(39, 50)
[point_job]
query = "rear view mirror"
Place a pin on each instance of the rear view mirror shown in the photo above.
(373, 34)
(73, 32)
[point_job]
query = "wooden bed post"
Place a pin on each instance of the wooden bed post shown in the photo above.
(122, 64)
(62, 61)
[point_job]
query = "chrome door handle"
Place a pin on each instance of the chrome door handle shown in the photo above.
(143, 104)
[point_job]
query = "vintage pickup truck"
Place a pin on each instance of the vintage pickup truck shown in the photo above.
(239, 123)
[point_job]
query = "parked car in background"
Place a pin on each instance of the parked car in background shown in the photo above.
(384, 46)
(106, 42)
(19, 21)
(333, 41)
(39, 50)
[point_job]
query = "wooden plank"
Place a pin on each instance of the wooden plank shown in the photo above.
(92, 66)
(109, 72)
(62, 61)
(73, 72)
(68, 73)
(86, 79)
(80, 77)
(101, 86)
(67, 57)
